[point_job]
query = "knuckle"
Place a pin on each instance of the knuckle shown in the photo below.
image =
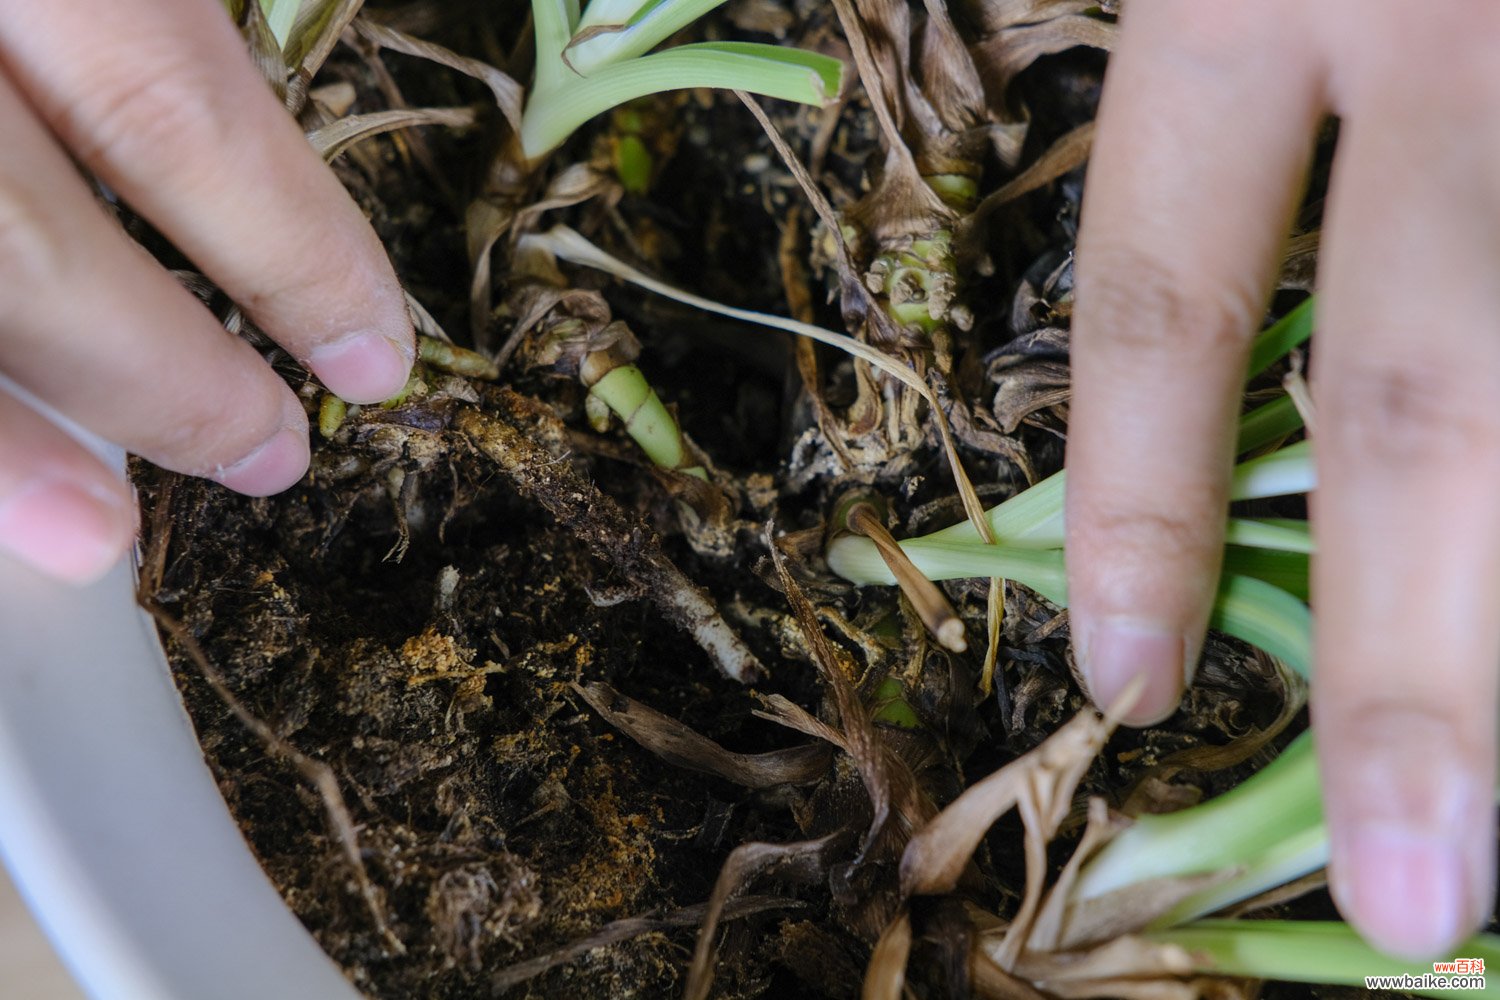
(1408, 412)
(163, 108)
(1156, 535)
(1138, 304)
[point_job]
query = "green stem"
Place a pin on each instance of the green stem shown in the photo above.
(646, 418)
(1306, 951)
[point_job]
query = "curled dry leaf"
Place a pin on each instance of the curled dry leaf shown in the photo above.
(1048, 775)
(332, 139)
(1003, 55)
(684, 747)
(885, 976)
(508, 93)
(803, 861)
(997, 15)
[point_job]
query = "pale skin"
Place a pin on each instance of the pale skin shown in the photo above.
(1204, 137)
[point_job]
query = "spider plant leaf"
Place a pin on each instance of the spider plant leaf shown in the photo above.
(1283, 534)
(1306, 951)
(1278, 567)
(1264, 615)
(1264, 424)
(280, 16)
(555, 111)
(651, 23)
(1281, 338)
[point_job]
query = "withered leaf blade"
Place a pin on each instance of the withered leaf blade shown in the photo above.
(997, 15)
(804, 860)
(892, 788)
(684, 747)
(1119, 958)
(508, 94)
(885, 976)
(316, 31)
(937, 854)
(1002, 56)
(633, 927)
(335, 137)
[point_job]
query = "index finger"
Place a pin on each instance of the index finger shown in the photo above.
(160, 100)
(1204, 134)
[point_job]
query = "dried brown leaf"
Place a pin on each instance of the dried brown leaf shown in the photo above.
(802, 861)
(335, 137)
(316, 31)
(897, 800)
(1118, 958)
(507, 92)
(684, 747)
(1047, 776)
(1002, 56)
(997, 15)
(885, 976)
(265, 50)
(1066, 154)
(950, 80)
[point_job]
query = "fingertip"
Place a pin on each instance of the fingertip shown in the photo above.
(73, 531)
(1116, 652)
(364, 367)
(274, 466)
(1408, 893)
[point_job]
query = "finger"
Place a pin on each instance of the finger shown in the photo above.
(1203, 137)
(96, 329)
(160, 100)
(61, 510)
(1407, 579)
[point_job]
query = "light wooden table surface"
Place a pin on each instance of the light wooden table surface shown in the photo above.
(28, 968)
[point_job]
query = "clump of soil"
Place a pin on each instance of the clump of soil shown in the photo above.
(417, 618)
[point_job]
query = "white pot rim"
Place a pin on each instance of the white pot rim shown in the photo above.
(112, 825)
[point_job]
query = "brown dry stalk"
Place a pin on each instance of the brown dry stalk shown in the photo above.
(684, 747)
(804, 859)
(930, 603)
(609, 531)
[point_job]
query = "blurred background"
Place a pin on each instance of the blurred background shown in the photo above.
(28, 968)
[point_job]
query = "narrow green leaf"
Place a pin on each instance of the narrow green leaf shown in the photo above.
(1269, 533)
(1264, 424)
(1287, 571)
(649, 26)
(555, 111)
(1307, 951)
(1281, 338)
(1266, 616)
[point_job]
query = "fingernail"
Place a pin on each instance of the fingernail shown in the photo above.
(274, 466)
(65, 529)
(1405, 890)
(1413, 839)
(1118, 650)
(362, 368)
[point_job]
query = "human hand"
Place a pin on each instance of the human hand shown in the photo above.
(1204, 136)
(159, 99)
